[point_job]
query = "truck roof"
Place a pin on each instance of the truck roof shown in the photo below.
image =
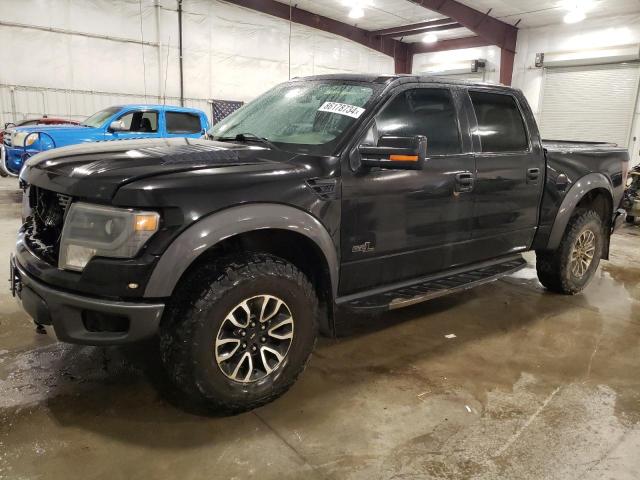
(157, 105)
(400, 78)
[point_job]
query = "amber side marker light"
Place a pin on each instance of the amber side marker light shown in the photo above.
(146, 223)
(404, 158)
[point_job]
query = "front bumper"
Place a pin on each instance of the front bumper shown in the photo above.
(83, 319)
(11, 160)
(3, 161)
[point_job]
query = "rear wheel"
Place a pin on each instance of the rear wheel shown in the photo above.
(631, 219)
(241, 333)
(570, 268)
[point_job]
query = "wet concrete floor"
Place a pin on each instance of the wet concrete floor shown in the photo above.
(532, 386)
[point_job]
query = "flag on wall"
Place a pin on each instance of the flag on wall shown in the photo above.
(224, 108)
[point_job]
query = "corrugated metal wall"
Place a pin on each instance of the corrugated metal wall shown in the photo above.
(74, 57)
(20, 102)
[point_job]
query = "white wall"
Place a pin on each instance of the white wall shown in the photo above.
(229, 53)
(425, 62)
(591, 34)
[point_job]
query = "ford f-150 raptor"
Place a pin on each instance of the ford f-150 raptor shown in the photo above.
(324, 196)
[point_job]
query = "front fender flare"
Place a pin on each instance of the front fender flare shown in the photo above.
(576, 193)
(209, 231)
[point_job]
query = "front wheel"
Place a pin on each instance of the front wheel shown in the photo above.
(569, 269)
(239, 333)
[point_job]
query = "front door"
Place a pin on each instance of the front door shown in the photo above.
(137, 124)
(401, 224)
(510, 169)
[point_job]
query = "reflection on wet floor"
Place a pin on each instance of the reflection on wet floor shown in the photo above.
(502, 381)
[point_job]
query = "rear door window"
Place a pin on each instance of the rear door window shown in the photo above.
(182, 122)
(500, 123)
(422, 111)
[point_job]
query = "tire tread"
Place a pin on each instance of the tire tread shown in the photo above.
(204, 287)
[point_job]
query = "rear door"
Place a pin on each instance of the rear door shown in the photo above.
(183, 124)
(402, 224)
(510, 170)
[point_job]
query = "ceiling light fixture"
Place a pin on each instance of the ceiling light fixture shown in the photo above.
(575, 16)
(576, 10)
(356, 12)
(356, 7)
(430, 38)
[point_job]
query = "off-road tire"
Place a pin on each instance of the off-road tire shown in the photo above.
(554, 268)
(192, 321)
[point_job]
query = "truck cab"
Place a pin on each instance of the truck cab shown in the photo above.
(122, 122)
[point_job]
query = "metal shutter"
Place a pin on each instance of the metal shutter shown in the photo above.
(589, 103)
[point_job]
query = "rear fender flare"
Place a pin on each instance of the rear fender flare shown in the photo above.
(576, 193)
(209, 231)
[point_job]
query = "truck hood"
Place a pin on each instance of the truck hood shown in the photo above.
(95, 171)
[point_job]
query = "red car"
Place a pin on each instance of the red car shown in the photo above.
(37, 121)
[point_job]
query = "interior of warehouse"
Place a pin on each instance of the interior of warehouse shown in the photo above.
(84, 56)
(333, 239)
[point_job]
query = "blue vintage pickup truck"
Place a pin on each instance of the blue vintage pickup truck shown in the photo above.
(114, 123)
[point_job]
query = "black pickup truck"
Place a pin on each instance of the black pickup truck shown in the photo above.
(325, 196)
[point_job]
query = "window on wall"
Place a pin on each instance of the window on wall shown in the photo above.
(423, 111)
(500, 123)
(181, 122)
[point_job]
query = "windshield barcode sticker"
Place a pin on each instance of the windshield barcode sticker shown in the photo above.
(342, 109)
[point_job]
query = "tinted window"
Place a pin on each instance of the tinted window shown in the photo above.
(500, 124)
(182, 122)
(142, 122)
(429, 112)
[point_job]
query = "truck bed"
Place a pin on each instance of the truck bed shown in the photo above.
(568, 146)
(575, 160)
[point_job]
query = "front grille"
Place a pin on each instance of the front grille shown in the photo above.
(43, 227)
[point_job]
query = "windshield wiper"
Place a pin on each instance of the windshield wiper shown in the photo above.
(248, 137)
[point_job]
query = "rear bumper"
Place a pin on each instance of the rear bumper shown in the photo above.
(82, 319)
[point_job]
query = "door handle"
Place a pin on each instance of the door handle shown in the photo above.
(533, 174)
(464, 181)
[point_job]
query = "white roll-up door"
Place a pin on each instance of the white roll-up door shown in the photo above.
(589, 103)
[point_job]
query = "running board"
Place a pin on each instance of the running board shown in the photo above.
(410, 293)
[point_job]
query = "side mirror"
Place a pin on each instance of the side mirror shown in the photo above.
(117, 126)
(400, 153)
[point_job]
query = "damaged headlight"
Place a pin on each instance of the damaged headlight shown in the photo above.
(95, 230)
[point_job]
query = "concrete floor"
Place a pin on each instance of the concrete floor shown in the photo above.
(534, 385)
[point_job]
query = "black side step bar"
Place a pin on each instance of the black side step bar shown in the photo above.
(427, 288)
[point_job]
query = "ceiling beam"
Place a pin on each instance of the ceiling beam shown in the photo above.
(452, 44)
(388, 46)
(394, 31)
(404, 33)
(491, 29)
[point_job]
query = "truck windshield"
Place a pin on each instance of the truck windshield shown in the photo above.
(97, 119)
(308, 117)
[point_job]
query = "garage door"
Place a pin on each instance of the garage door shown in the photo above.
(589, 103)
